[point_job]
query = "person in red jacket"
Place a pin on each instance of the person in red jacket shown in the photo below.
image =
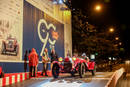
(33, 61)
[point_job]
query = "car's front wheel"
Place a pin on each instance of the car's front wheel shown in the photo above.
(93, 71)
(55, 70)
(82, 70)
(72, 73)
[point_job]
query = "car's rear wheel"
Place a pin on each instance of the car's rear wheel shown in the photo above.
(55, 70)
(82, 70)
(16, 50)
(93, 71)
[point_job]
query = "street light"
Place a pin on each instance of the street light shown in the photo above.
(120, 43)
(98, 7)
(111, 30)
(117, 38)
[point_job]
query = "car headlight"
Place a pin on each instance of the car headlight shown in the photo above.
(74, 58)
(60, 59)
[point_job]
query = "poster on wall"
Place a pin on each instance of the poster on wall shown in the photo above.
(11, 29)
(41, 31)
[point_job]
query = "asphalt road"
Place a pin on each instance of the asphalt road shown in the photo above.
(99, 80)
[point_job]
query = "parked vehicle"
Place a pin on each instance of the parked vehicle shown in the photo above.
(72, 66)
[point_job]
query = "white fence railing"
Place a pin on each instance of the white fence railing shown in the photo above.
(113, 80)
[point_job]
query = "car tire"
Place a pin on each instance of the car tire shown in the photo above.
(93, 71)
(55, 70)
(72, 73)
(16, 51)
(82, 70)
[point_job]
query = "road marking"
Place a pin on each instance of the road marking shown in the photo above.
(72, 77)
(63, 84)
(100, 78)
(42, 78)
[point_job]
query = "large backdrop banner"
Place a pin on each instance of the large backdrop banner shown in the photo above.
(41, 31)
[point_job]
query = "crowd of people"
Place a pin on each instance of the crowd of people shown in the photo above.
(33, 59)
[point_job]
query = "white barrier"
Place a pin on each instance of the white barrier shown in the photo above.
(113, 80)
(14, 78)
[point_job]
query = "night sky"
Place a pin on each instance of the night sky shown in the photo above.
(114, 13)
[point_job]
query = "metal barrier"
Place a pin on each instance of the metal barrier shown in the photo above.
(127, 66)
(113, 80)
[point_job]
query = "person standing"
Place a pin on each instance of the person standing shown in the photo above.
(33, 60)
(25, 61)
(36, 69)
(45, 60)
(68, 54)
(54, 56)
(29, 64)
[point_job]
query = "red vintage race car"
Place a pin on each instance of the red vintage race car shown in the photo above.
(10, 45)
(72, 66)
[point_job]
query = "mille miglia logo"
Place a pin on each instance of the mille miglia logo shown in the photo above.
(46, 39)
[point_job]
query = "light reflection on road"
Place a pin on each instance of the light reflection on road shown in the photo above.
(99, 80)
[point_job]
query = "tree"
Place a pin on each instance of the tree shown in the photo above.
(80, 28)
(102, 46)
(86, 38)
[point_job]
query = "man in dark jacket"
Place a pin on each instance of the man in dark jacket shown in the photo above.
(25, 60)
(54, 56)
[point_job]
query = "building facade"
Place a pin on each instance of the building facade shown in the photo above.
(27, 24)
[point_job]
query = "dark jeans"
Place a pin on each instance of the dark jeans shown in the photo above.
(45, 68)
(25, 67)
(32, 71)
